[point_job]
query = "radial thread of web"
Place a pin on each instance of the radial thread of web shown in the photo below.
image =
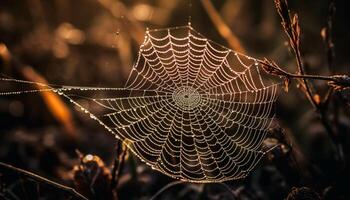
(191, 108)
(209, 111)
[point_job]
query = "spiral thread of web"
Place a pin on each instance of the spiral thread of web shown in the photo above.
(191, 108)
(197, 111)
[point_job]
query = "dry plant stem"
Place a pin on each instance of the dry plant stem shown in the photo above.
(121, 164)
(292, 29)
(328, 39)
(54, 103)
(294, 43)
(221, 26)
(327, 35)
(296, 76)
(154, 197)
(308, 92)
(233, 193)
(41, 179)
(118, 165)
(329, 45)
(320, 107)
(115, 166)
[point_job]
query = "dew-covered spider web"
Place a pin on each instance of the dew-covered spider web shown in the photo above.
(191, 108)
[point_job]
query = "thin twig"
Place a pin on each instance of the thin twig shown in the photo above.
(44, 180)
(308, 91)
(336, 81)
(118, 165)
(292, 29)
(121, 164)
(115, 165)
(165, 188)
(280, 72)
(327, 36)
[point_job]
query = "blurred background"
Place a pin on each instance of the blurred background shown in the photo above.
(95, 42)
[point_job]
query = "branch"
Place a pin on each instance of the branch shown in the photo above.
(44, 180)
(165, 188)
(118, 165)
(327, 35)
(338, 82)
(292, 29)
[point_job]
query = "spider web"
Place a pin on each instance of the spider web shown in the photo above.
(191, 108)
